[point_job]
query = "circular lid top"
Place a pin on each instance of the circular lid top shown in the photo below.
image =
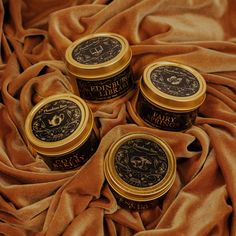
(58, 124)
(173, 86)
(140, 167)
(98, 55)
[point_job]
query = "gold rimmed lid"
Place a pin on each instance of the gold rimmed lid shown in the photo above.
(58, 124)
(140, 167)
(98, 55)
(173, 86)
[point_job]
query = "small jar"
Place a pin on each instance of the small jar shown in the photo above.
(100, 64)
(169, 96)
(60, 128)
(139, 168)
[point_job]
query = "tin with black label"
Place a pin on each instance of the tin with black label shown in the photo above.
(100, 64)
(170, 95)
(60, 128)
(140, 168)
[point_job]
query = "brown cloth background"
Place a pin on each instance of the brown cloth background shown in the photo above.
(198, 33)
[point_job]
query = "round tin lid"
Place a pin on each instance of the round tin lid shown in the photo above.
(173, 86)
(140, 167)
(98, 55)
(58, 124)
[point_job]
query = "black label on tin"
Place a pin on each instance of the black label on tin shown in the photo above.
(96, 50)
(163, 119)
(101, 90)
(135, 205)
(174, 81)
(141, 162)
(76, 158)
(56, 120)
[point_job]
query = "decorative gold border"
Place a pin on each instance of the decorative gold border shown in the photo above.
(159, 98)
(77, 138)
(132, 192)
(101, 70)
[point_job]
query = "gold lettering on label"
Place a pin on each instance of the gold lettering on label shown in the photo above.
(108, 86)
(112, 88)
(69, 162)
(114, 84)
(115, 90)
(163, 120)
(135, 205)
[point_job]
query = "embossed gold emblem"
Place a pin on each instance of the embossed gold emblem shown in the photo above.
(61, 130)
(100, 64)
(140, 168)
(170, 95)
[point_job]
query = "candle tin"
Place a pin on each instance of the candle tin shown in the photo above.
(139, 168)
(61, 130)
(100, 64)
(169, 96)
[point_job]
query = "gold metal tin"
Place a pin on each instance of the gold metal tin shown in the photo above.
(140, 168)
(100, 63)
(60, 128)
(170, 95)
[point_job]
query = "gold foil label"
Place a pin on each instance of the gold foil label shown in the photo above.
(141, 162)
(96, 50)
(56, 120)
(100, 90)
(76, 158)
(135, 205)
(163, 119)
(174, 81)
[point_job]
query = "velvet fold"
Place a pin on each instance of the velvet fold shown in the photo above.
(37, 201)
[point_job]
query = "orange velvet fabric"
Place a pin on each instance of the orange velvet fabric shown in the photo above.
(34, 37)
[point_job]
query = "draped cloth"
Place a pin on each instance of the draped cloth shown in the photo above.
(37, 201)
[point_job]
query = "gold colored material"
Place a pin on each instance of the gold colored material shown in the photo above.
(169, 96)
(169, 102)
(99, 70)
(68, 144)
(100, 65)
(153, 190)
